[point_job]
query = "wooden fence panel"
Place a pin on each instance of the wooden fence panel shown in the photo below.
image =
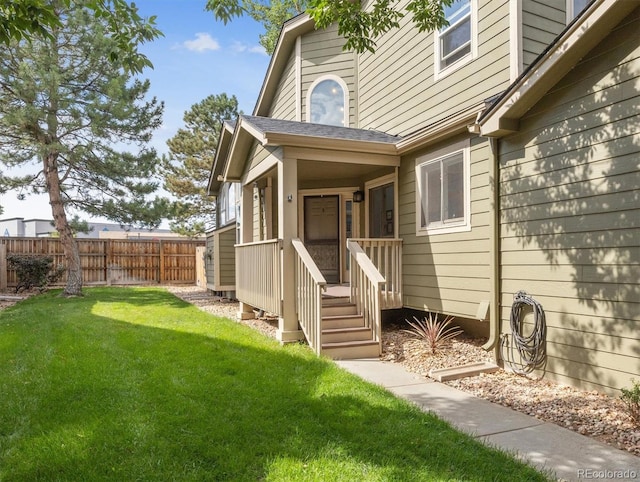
(114, 261)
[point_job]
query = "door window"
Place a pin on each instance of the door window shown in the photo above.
(381, 211)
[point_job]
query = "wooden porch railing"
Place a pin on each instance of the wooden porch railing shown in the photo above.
(366, 282)
(309, 287)
(386, 255)
(258, 275)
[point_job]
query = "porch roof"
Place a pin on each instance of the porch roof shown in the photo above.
(277, 132)
(272, 131)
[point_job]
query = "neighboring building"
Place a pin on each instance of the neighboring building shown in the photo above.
(351, 161)
(20, 227)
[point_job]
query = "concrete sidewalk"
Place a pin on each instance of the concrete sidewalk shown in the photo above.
(569, 455)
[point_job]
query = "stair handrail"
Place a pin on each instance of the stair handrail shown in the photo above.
(386, 255)
(309, 287)
(366, 281)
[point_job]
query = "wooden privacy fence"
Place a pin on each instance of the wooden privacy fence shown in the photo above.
(112, 261)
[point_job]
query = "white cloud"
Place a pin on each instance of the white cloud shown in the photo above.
(240, 47)
(202, 43)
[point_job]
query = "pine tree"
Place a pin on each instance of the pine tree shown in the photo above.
(69, 113)
(191, 152)
(30, 19)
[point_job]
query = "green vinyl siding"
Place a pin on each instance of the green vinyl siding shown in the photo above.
(220, 259)
(447, 273)
(321, 55)
(402, 69)
(283, 105)
(227, 254)
(570, 215)
(209, 266)
(542, 21)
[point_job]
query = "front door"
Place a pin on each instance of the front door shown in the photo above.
(322, 234)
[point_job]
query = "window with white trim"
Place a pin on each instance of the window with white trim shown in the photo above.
(227, 204)
(327, 101)
(456, 42)
(574, 7)
(442, 199)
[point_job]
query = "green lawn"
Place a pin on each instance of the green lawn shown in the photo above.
(134, 384)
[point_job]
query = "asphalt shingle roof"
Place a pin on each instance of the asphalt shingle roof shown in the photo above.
(278, 126)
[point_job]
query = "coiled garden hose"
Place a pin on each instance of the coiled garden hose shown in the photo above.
(531, 349)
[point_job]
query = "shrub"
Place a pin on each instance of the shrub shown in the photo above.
(433, 331)
(34, 271)
(632, 399)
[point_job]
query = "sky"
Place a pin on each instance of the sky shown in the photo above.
(197, 57)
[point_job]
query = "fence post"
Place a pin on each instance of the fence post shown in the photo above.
(161, 277)
(3, 267)
(105, 261)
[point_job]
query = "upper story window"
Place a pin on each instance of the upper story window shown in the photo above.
(442, 194)
(574, 7)
(227, 204)
(327, 102)
(456, 43)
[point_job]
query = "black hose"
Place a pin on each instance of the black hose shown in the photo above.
(531, 348)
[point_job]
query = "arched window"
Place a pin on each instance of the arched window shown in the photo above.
(327, 101)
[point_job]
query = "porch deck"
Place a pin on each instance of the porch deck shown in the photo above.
(338, 320)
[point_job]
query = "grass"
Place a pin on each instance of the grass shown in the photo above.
(134, 384)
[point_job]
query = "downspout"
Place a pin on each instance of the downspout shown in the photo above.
(494, 279)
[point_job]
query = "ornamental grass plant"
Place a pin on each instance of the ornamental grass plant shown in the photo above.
(434, 332)
(135, 384)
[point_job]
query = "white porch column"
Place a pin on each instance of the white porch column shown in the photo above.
(288, 328)
(246, 214)
(245, 311)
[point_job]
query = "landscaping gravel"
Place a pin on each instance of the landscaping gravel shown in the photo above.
(589, 413)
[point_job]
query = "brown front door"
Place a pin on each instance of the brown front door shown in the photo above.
(322, 234)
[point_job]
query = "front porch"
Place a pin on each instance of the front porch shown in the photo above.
(318, 206)
(340, 321)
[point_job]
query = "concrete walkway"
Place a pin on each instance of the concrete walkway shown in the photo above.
(571, 456)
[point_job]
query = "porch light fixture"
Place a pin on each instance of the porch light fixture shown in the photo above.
(358, 196)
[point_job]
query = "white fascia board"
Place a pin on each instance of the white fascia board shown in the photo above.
(293, 140)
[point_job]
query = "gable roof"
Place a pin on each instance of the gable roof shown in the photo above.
(290, 31)
(578, 38)
(222, 150)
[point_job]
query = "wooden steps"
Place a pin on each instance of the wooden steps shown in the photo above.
(344, 335)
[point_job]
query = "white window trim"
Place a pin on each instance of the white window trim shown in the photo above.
(441, 72)
(571, 13)
(229, 208)
(345, 92)
(465, 224)
(515, 39)
(298, 73)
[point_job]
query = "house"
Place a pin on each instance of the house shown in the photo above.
(38, 228)
(380, 177)
(567, 144)
(20, 227)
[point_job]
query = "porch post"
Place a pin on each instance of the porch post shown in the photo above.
(288, 328)
(245, 311)
(246, 214)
